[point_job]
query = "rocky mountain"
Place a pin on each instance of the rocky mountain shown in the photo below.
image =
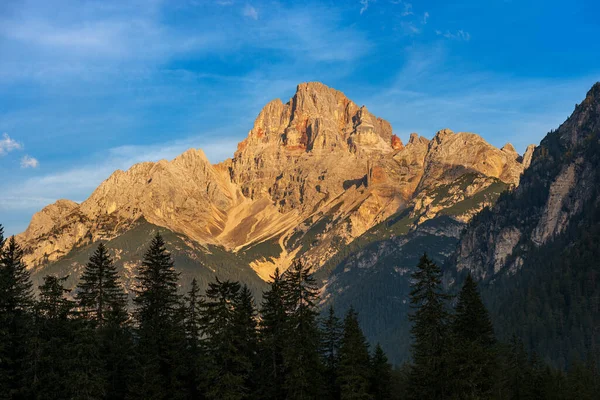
(316, 178)
(536, 251)
(556, 188)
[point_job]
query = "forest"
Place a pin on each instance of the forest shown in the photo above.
(95, 342)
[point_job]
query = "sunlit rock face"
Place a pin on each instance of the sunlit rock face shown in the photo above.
(312, 175)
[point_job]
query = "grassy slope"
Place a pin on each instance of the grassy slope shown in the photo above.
(191, 260)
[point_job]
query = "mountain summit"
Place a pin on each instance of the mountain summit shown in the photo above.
(313, 174)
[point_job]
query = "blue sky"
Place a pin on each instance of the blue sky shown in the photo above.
(87, 87)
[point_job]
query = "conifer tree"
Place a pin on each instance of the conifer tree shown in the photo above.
(102, 301)
(67, 363)
(228, 366)
(331, 329)
(472, 353)
(430, 333)
(354, 371)
(99, 294)
(301, 352)
(381, 375)
(194, 359)
(157, 312)
(245, 333)
(273, 336)
(516, 371)
(16, 319)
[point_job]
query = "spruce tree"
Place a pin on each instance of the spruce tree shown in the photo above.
(516, 382)
(430, 333)
(354, 371)
(16, 320)
(67, 363)
(381, 375)
(99, 293)
(102, 301)
(194, 359)
(228, 363)
(472, 353)
(301, 352)
(246, 335)
(331, 329)
(272, 338)
(157, 310)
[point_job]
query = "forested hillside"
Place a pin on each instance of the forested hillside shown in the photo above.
(86, 342)
(537, 250)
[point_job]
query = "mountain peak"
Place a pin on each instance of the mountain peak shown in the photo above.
(594, 93)
(584, 122)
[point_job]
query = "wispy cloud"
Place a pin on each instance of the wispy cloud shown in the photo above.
(29, 162)
(425, 97)
(364, 6)
(425, 18)
(458, 35)
(407, 10)
(7, 144)
(250, 12)
(409, 28)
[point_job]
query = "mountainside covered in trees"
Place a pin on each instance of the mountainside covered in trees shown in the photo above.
(88, 343)
(537, 250)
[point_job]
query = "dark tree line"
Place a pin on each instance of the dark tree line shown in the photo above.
(85, 344)
(456, 354)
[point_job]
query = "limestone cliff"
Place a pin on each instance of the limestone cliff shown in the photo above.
(312, 175)
(558, 184)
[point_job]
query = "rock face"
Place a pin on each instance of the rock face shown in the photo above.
(313, 174)
(556, 187)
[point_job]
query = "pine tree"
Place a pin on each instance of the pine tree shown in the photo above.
(272, 338)
(16, 319)
(331, 329)
(157, 312)
(301, 353)
(516, 371)
(194, 359)
(102, 301)
(67, 363)
(246, 335)
(472, 353)
(430, 333)
(228, 366)
(354, 371)
(381, 375)
(99, 294)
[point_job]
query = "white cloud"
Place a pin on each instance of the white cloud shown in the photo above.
(458, 35)
(410, 28)
(425, 18)
(250, 12)
(7, 144)
(407, 10)
(365, 6)
(29, 162)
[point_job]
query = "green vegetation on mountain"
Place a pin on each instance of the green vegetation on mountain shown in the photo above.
(220, 346)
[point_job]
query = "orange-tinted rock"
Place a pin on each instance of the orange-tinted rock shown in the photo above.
(397, 143)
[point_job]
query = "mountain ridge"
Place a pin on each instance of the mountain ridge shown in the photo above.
(317, 166)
